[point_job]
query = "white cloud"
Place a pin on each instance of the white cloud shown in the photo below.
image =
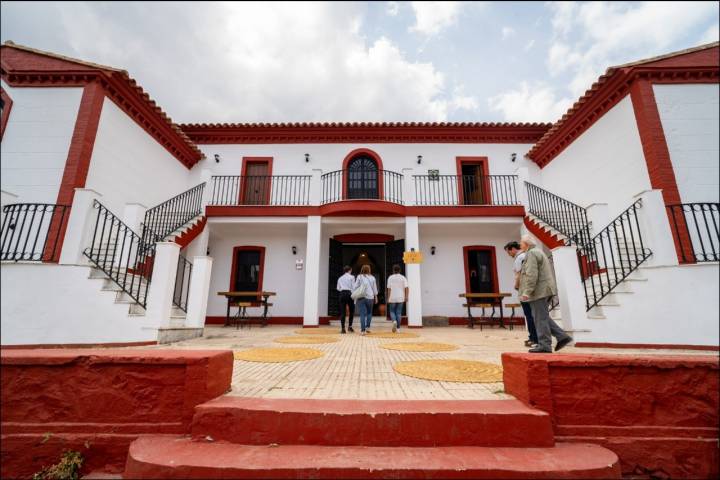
(711, 35)
(529, 45)
(392, 8)
(507, 32)
(530, 103)
(460, 101)
(249, 62)
(591, 36)
(432, 17)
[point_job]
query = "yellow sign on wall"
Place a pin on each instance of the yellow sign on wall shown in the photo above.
(412, 257)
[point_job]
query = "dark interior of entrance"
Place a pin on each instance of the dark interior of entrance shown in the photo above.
(380, 256)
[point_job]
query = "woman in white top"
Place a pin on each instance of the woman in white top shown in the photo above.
(368, 299)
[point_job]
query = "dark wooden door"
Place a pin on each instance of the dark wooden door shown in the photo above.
(474, 185)
(362, 178)
(480, 269)
(335, 269)
(256, 184)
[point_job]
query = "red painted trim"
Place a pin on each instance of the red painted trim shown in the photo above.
(493, 265)
(24, 67)
(6, 111)
(256, 160)
(364, 208)
(77, 345)
(547, 238)
(282, 320)
(233, 271)
(266, 133)
(364, 238)
(463, 321)
(657, 157)
(378, 161)
(415, 326)
(187, 237)
(483, 162)
(77, 164)
(713, 348)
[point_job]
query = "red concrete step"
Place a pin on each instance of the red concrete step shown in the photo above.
(414, 423)
(163, 457)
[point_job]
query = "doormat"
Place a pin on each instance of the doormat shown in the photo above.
(307, 339)
(420, 347)
(317, 331)
(392, 335)
(278, 355)
(464, 371)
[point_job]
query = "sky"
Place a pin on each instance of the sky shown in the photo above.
(207, 62)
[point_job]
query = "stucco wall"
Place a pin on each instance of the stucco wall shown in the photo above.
(129, 166)
(690, 119)
(603, 165)
(35, 143)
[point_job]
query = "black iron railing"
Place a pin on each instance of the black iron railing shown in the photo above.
(695, 228)
(564, 216)
(273, 190)
(121, 254)
(611, 255)
(447, 190)
(362, 185)
(182, 283)
(31, 231)
(162, 220)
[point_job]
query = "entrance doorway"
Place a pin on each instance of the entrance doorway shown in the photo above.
(474, 187)
(381, 256)
(480, 269)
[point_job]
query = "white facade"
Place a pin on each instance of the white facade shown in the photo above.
(690, 119)
(35, 145)
(605, 164)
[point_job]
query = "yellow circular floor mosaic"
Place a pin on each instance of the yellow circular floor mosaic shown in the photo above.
(420, 347)
(465, 371)
(278, 355)
(392, 335)
(317, 331)
(307, 339)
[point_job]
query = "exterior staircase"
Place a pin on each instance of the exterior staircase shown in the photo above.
(235, 437)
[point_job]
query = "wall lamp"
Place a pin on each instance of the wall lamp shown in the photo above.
(419, 159)
(513, 156)
(432, 250)
(307, 157)
(294, 250)
(217, 158)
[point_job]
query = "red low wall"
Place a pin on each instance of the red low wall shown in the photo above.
(98, 401)
(659, 414)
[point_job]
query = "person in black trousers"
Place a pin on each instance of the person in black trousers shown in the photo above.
(344, 286)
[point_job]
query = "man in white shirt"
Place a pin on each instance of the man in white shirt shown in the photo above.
(513, 249)
(345, 286)
(397, 294)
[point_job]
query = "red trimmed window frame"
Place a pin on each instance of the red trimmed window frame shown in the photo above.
(493, 265)
(5, 111)
(243, 172)
(233, 269)
(378, 161)
(485, 167)
(364, 238)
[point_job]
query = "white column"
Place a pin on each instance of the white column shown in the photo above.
(316, 187)
(199, 291)
(408, 187)
(412, 271)
(570, 288)
(655, 228)
(80, 225)
(312, 272)
(133, 216)
(523, 175)
(162, 284)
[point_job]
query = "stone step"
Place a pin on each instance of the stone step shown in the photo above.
(414, 423)
(167, 457)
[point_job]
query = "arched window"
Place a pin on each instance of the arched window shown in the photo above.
(362, 178)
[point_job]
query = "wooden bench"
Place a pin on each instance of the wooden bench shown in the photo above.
(481, 321)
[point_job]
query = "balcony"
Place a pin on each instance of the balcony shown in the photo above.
(456, 190)
(382, 185)
(261, 190)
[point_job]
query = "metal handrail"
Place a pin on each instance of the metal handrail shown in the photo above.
(31, 231)
(451, 190)
(347, 184)
(563, 215)
(121, 254)
(267, 190)
(165, 218)
(696, 244)
(612, 255)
